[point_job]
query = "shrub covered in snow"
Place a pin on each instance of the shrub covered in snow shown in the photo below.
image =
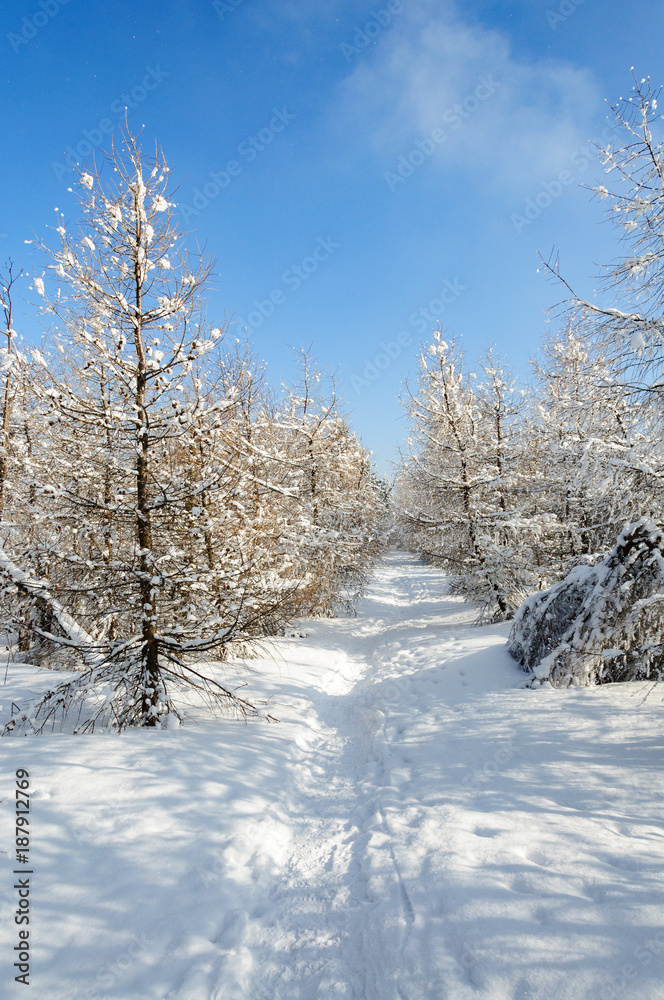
(603, 622)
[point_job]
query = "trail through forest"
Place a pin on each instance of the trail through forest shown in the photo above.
(417, 826)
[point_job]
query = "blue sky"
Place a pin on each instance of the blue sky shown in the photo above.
(358, 169)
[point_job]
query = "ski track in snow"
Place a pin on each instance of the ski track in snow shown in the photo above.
(418, 826)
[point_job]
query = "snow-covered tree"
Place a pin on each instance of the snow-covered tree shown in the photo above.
(601, 400)
(462, 495)
(341, 517)
(10, 361)
(629, 330)
(122, 489)
(177, 510)
(17, 493)
(604, 622)
(591, 445)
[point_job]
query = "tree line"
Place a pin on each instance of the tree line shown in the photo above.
(162, 506)
(512, 489)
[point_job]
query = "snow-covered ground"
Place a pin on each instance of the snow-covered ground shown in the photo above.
(418, 825)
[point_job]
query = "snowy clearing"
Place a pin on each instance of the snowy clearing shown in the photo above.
(418, 825)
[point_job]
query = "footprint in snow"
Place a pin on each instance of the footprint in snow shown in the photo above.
(233, 929)
(625, 862)
(543, 914)
(539, 858)
(596, 892)
(525, 886)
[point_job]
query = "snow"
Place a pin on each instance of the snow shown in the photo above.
(418, 825)
(563, 634)
(73, 631)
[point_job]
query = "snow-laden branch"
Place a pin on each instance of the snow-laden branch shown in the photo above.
(75, 635)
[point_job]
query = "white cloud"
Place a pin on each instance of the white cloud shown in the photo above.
(427, 64)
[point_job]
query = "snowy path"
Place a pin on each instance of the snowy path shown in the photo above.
(417, 826)
(344, 907)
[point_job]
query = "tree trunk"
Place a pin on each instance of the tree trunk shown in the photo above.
(150, 646)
